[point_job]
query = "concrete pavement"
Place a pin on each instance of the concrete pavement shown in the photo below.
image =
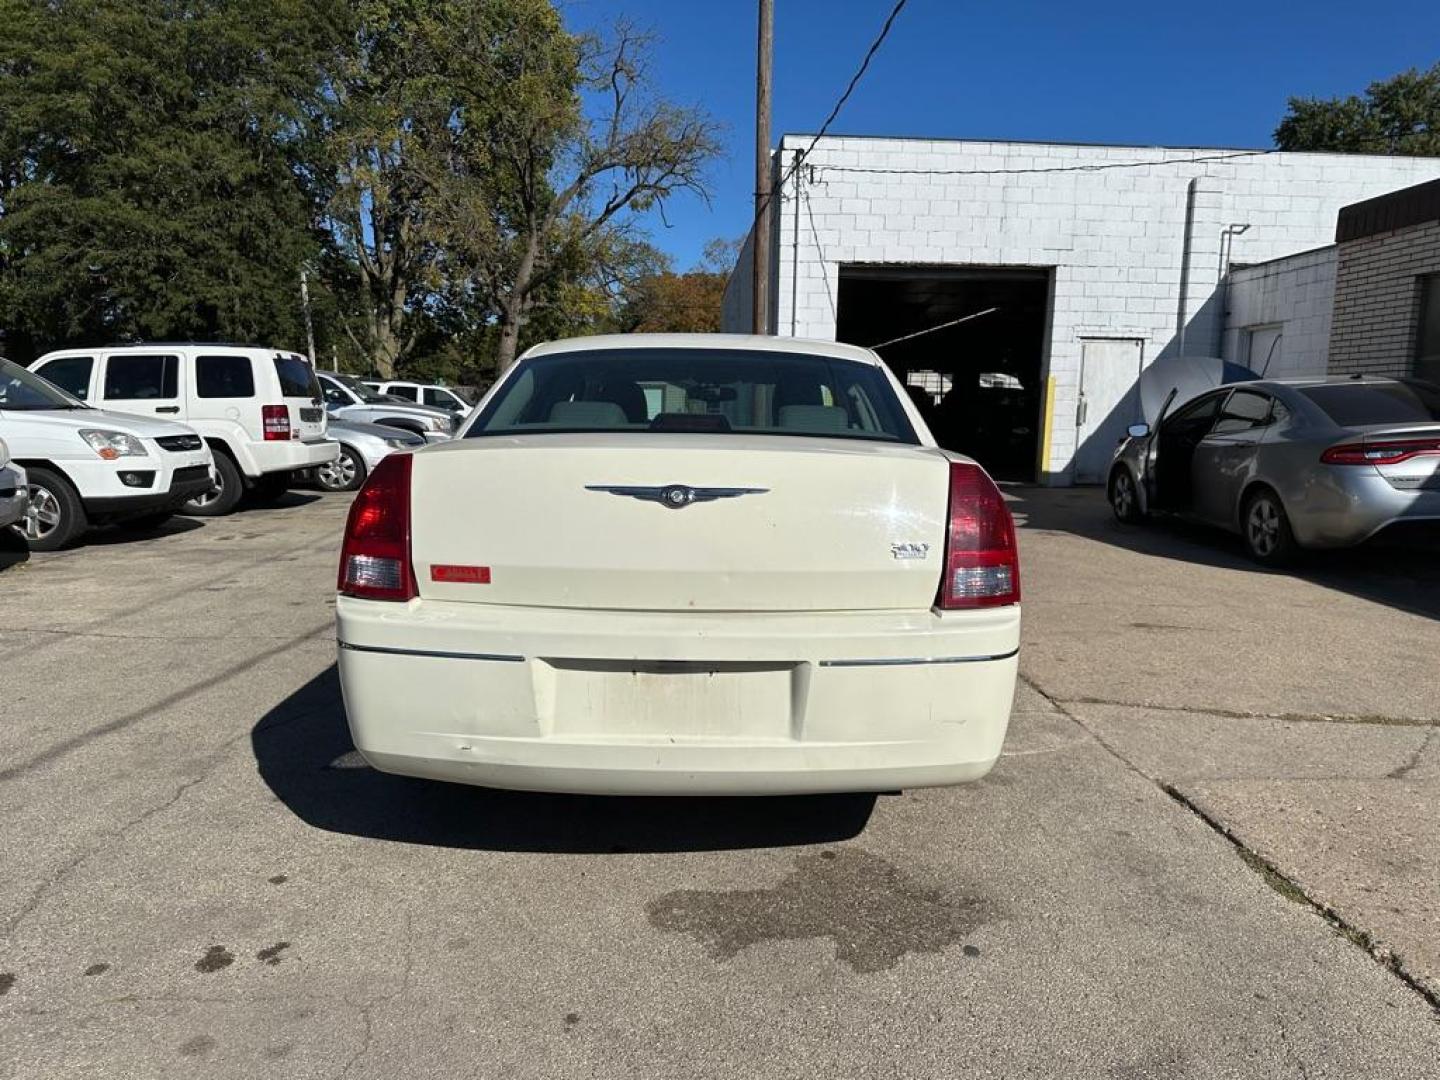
(202, 880)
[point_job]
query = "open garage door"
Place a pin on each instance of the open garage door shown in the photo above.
(979, 382)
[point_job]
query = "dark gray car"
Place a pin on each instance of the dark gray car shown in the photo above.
(1289, 463)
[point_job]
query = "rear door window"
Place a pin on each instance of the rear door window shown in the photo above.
(141, 377)
(1244, 410)
(715, 391)
(70, 373)
(297, 379)
(407, 392)
(223, 376)
(1409, 401)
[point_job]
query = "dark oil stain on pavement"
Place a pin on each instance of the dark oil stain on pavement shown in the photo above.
(194, 1047)
(271, 955)
(571, 1019)
(873, 912)
(278, 879)
(7, 980)
(97, 969)
(215, 958)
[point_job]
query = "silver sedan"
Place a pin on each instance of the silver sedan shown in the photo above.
(1289, 464)
(362, 446)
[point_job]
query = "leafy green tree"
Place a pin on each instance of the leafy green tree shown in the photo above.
(560, 147)
(1399, 115)
(149, 156)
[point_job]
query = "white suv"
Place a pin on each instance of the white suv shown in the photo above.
(432, 394)
(86, 466)
(258, 409)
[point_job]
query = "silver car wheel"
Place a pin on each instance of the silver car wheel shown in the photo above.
(42, 517)
(339, 474)
(1124, 495)
(1263, 526)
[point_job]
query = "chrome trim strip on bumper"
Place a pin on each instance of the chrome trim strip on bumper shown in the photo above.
(508, 659)
(904, 660)
(496, 657)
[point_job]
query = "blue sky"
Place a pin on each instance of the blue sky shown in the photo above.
(1215, 74)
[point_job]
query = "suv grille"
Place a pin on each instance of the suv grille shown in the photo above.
(178, 443)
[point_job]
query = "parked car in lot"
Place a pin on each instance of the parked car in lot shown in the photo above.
(682, 564)
(14, 495)
(1289, 464)
(362, 447)
(431, 394)
(347, 398)
(87, 466)
(258, 409)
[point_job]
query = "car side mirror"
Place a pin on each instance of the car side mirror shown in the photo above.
(1138, 431)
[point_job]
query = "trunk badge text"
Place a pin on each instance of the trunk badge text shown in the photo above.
(910, 551)
(675, 496)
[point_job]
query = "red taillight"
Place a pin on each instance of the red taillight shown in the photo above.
(1379, 453)
(375, 558)
(982, 562)
(275, 419)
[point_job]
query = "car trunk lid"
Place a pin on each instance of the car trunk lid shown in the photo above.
(680, 522)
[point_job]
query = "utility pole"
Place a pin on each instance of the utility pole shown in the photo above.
(760, 283)
(309, 326)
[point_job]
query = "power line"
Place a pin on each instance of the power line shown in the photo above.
(840, 104)
(1094, 167)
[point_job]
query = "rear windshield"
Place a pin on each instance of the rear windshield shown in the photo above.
(296, 378)
(1359, 404)
(694, 390)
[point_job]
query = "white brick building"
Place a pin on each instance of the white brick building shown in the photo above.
(1099, 259)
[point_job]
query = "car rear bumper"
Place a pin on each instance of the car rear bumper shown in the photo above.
(273, 457)
(1346, 505)
(610, 702)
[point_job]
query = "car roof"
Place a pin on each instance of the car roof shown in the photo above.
(1329, 380)
(735, 342)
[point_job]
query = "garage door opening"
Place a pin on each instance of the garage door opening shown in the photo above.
(977, 382)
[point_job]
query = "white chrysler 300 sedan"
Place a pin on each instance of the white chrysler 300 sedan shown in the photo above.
(678, 564)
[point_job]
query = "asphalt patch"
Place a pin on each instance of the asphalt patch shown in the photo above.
(871, 911)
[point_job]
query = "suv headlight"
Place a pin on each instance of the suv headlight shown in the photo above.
(436, 424)
(113, 444)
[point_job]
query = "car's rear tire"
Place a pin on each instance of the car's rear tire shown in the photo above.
(1265, 527)
(224, 496)
(1125, 497)
(345, 473)
(55, 516)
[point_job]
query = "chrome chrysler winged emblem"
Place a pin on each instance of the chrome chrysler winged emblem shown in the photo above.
(675, 496)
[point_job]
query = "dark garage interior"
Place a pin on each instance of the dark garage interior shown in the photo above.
(991, 406)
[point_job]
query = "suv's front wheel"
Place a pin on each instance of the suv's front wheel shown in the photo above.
(55, 515)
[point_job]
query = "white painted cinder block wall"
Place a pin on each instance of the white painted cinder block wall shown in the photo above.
(1294, 295)
(1113, 235)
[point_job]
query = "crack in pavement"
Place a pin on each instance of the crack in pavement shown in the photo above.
(1377, 951)
(1401, 771)
(367, 1009)
(1239, 714)
(213, 761)
(75, 742)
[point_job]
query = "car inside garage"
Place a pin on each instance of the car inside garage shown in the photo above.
(979, 382)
